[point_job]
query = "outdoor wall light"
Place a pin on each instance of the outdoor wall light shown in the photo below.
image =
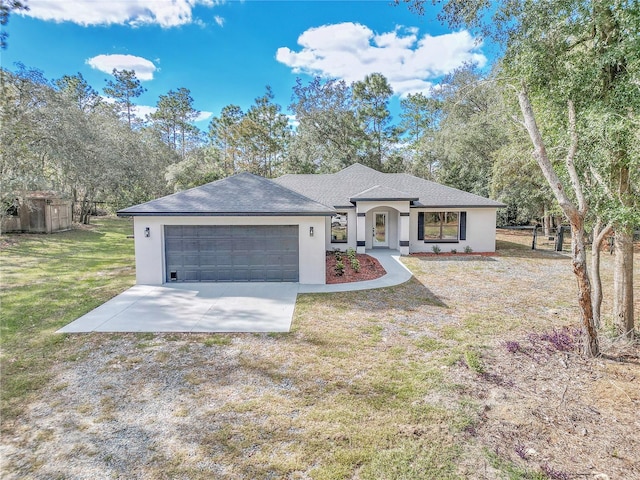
(147, 232)
(311, 231)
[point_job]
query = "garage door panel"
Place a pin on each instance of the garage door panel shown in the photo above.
(230, 253)
(224, 274)
(188, 231)
(208, 275)
(191, 261)
(190, 275)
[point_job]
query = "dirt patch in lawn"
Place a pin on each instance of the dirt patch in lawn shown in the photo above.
(370, 269)
(543, 408)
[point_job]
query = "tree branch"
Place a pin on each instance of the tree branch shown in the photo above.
(540, 154)
(571, 167)
(600, 180)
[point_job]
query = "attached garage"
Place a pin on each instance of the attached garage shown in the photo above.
(243, 228)
(231, 253)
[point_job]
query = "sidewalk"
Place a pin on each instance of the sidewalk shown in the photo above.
(397, 273)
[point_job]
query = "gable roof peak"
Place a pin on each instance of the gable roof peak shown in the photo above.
(358, 166)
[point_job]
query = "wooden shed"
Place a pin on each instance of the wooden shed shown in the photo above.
(40, 212)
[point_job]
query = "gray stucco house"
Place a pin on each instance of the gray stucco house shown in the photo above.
(249, 228)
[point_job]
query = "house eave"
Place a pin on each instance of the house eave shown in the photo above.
(459, 206)
(225, 214)
(384, 199)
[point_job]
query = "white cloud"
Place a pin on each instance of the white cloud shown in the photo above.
(141, 111)
(293, 121)
(106, 63)
(166, 13)
(350, 51)
(219, 20)
(203, 116)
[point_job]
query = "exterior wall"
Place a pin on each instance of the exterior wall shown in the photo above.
(57, 215)
(351, 231)
(481, 231)
(10, 224)
(150, 261)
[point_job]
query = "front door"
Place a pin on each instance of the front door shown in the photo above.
(380, 230)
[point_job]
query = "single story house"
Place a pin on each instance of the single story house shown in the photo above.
(247, 228)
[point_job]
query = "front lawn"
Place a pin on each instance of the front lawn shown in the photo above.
(462, 372)
(48, 281)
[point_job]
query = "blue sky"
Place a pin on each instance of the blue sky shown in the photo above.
(226, 52)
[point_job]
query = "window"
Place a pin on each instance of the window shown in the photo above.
(442, 226)
(339, 228)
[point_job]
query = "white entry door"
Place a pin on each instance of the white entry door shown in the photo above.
(380, 237)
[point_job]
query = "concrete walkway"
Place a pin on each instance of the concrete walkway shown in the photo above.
(219, 307)
(397, 273)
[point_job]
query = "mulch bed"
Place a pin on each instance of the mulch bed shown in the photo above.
(449, 254)
(370, 269)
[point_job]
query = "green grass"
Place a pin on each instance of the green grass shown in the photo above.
(48, 281)
(511, 471)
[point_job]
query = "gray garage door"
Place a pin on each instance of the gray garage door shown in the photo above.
(224, 253)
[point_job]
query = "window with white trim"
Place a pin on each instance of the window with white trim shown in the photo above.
(339, 228)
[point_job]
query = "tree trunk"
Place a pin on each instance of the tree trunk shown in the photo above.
(623, 282)
(74, 202)
(547, 221)
(85, 210)
(575, 214)
(596, 282)
(590, 348)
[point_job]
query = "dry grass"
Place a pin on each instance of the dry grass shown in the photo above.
(410, 382)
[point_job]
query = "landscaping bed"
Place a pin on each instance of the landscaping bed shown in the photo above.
(368, 268)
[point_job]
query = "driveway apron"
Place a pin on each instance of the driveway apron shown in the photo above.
(201, 307)
(219, 307)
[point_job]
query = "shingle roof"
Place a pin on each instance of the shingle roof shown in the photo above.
(382, 193)
(338, 189)
(241, 194)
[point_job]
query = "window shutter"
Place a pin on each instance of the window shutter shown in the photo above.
(420, 225)
(463, 225)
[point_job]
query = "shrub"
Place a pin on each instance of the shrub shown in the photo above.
(351, 253)
(512, 346)
(339, 268)
(468, 249)
(562, 340)
(355, 264)
(521, 450)
(453, 250)
(436, 249)
(472, 359)
(338, 255)
(554, 474)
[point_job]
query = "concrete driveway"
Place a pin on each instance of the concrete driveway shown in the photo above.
(219, 307)
(202, 307)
